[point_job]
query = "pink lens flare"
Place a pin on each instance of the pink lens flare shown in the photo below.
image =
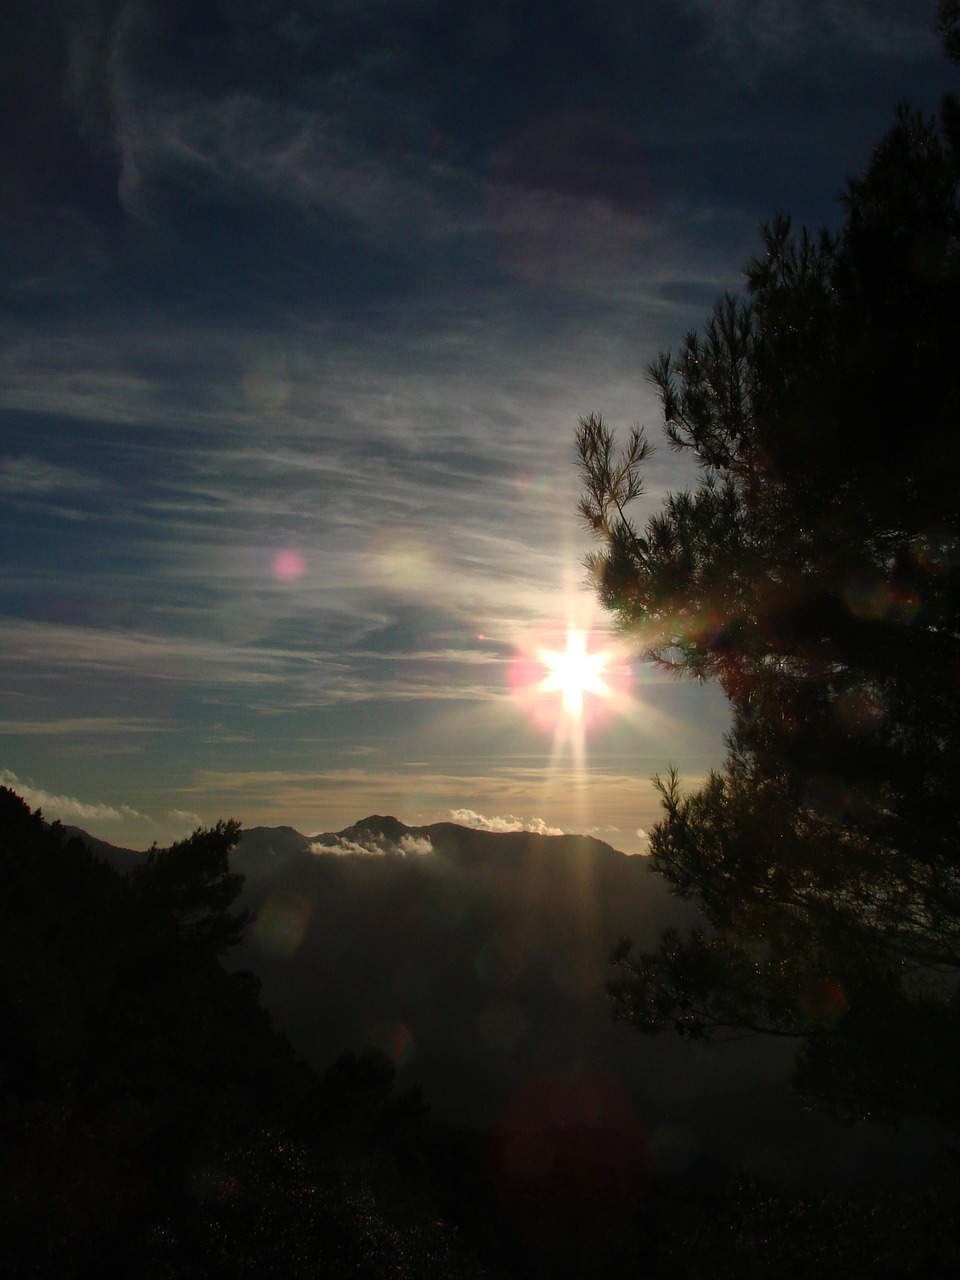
(288, 565)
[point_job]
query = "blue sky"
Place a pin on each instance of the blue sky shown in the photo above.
(302, 301)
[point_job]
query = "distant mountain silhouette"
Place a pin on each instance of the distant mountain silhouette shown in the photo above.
(264, 850)
(375, 827)
(477, 961)
(117, 856)
(453, 837)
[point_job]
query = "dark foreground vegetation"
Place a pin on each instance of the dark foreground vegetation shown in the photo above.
(814, 572)
(154, 1123)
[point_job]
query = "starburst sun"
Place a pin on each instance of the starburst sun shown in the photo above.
(574, 672)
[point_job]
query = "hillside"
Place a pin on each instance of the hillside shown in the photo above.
(477, 961)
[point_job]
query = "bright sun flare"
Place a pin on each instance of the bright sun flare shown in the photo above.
(574, 672)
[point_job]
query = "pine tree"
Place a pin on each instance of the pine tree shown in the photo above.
(815, 573)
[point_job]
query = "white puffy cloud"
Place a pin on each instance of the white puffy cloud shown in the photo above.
(505, 822)
(344, 848)
(412, 846)
(409, 846)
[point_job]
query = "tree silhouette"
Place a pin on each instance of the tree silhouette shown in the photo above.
(153, 1122)
(815, 573)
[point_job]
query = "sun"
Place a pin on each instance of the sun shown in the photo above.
(571, 681)
(574, 672)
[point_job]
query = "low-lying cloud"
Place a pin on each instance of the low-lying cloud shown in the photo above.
(506, 822)
(408, 846)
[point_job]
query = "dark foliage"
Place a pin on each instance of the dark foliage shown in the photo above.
(152, 1121)
(154, 1125)
(747, 1231)
(815, 573)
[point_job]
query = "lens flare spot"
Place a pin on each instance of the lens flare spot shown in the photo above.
(828, 798)
(551, 200)
(937, 551)
(859, 710)
(289, 565)
(403, 563)
(533, 486)
(570, 1147)
(500, 1026)
(395, 1039)
(266, 384)
(878, 600)
(823, 1001)
(282, 923)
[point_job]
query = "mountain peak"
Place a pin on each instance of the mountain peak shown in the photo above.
(377, 825)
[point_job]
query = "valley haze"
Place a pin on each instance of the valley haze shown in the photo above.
(476, 961)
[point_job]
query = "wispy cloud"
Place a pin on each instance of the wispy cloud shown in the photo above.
(420, 474)
(185, 816)
(257, 673)
(801, 32)
(279, 152)
(69, 807)
(119, 823)
(26, 477)
(67, 726)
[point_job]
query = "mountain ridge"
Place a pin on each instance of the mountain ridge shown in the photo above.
(377, 827)
(451, 837)
(476, 962)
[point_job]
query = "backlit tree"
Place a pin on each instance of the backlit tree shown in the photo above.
(814, 571)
